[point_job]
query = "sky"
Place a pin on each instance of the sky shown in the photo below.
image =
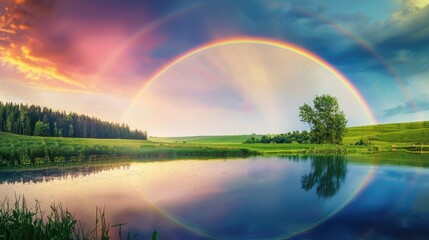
(147, 62)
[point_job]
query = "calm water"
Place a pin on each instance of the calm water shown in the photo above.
(256, 198)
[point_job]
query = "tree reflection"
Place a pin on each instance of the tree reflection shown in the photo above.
(327, 175)
(46, 175)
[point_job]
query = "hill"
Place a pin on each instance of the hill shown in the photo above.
(393, 133)
(382, 134)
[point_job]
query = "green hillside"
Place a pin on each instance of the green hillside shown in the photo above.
(384, 134)
(394, 133)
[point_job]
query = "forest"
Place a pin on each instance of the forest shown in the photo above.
(34, 120)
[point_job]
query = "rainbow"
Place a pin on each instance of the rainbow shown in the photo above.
(260, 41)
(152, 26)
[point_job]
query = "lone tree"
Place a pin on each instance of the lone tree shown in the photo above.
(326, 120)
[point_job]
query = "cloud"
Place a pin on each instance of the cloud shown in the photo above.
(355, 40)
(403, 40)
(410, 106)
(66, 43)
(19, 23)
(308, 24)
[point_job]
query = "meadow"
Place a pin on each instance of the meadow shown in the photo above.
(412, 136)
(19, 150)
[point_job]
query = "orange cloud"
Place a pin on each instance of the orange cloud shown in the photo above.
(33, 68)
(16, 53)
(53, 44)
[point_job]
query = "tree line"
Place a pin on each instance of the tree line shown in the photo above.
(34, 120)
(290, 137)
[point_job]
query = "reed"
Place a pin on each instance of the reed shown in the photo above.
(19, 222)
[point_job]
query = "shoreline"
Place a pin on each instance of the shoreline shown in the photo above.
(394, 158)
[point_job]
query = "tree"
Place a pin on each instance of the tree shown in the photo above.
(41, 129)
(326, 120)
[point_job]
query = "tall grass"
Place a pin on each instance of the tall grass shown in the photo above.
(19, 222)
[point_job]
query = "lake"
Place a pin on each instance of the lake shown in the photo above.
(331, 197)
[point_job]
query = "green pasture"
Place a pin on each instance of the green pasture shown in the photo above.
(384, 135)
(20, 150)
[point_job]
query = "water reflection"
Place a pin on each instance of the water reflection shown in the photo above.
(327, 174)
(325, 197)
(260, 197)
(46, 175)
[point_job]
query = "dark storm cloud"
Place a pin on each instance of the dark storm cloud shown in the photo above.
(404, 41)
(305, 27)
(339, 38)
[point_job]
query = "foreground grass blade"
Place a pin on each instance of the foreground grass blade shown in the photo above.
(20, 222)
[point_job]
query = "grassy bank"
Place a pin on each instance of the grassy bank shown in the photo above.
(18, 150)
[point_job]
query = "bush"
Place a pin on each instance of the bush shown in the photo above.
(59, 159)
(24, 159)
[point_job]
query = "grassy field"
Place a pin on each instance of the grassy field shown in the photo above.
(395, 133)
(381, 137)
(18, 150)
